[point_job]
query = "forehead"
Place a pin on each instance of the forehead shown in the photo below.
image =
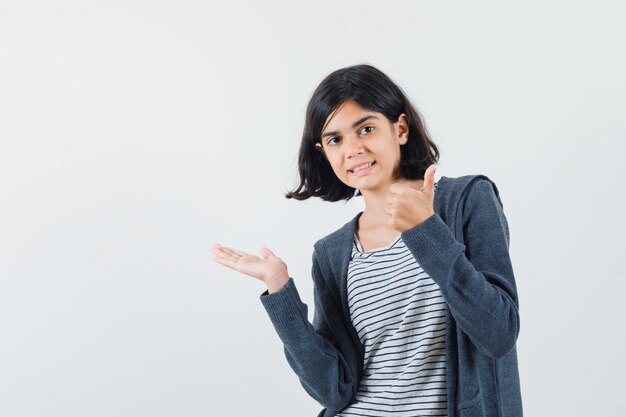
(345, 114)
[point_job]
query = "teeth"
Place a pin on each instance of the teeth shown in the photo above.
(364, 166)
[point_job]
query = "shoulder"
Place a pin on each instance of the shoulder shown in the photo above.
(339, 236)
(462, 183)
(460, 188)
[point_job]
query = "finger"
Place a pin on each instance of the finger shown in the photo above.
(236, 258)
(396, 188)
(216, 248)
(266, 253)
(231, 263)
(429, 179)
(225, 256)
(230, 252)
(219, 250)
(225, 261)
(234, 252)
(233, 255)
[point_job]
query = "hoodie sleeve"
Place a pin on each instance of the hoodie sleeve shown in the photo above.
(312, 353)
(476, 278)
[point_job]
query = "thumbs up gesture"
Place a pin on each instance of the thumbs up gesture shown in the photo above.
(407, 207)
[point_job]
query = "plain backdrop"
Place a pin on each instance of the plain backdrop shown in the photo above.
(135, 134)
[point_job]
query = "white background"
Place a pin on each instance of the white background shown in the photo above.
(134, 135)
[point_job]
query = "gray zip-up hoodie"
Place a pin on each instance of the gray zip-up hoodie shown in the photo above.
(464, 248)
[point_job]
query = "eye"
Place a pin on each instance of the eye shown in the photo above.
(330, 141)
(371, 128)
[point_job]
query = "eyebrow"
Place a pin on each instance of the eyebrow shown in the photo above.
(355, 124)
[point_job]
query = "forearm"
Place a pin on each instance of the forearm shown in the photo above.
(322, 371)
(482, 302)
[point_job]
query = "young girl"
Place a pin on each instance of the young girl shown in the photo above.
(416, 308)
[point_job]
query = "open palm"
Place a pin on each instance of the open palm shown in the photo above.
(268, 267)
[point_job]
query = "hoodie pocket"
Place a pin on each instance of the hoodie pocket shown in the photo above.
(473, 407)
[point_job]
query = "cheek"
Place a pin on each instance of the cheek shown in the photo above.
(395, 152)
(387, 153)
(336, 166)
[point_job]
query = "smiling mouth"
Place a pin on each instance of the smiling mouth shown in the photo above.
(361, 167)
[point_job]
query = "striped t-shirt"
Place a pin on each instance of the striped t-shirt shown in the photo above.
(400, 317)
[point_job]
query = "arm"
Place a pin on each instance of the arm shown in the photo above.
(327, 366)
(476, 279)
(311, 351)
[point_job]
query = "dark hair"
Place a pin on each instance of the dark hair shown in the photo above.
(374, 91)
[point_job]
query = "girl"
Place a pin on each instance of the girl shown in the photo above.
(416, 308)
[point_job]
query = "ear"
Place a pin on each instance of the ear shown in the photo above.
(402, 129)
(320, 148)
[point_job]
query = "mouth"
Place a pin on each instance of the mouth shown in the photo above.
(362, 169)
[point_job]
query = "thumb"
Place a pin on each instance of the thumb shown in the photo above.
(429, 179)
(266, 253)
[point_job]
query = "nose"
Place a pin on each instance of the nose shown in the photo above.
(353, 146)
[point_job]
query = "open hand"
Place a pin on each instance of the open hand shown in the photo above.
(408, 207)
(270, 269)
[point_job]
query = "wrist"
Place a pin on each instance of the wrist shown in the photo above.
(276, 283)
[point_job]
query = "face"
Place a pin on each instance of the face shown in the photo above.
(363, 146)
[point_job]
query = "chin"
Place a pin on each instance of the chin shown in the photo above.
(366, 187)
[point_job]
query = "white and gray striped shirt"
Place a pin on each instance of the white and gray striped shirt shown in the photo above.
(400, 316)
